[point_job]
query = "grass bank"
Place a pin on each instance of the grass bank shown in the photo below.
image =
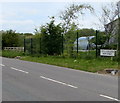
(85, 64)
(92, 65)
(11, 54)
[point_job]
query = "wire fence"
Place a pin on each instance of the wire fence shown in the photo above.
(34, 46)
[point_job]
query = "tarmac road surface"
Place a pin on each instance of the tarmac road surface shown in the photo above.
(30, 81)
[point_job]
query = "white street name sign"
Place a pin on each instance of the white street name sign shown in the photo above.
(105, 52)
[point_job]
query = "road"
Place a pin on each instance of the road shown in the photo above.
(30, 81)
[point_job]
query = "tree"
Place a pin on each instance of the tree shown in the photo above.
(51, 38)
(109, 21)
(28, 35)
(1, 32)
(10, 39)
(69, 17)
(101, 38)
(70, 37)
(86, 32)
(72, 13)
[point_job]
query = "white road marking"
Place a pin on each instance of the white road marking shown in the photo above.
(2, 65)
(109, 97)
(19, 70)
(58, 82)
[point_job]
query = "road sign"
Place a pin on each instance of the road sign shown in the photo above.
(106, 52)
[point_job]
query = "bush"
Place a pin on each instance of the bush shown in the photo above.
(110, 46)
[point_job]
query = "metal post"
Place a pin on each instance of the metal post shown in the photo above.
(24, 46)
(96, 43)
(77, 42)
(31, 45)
(40, 45)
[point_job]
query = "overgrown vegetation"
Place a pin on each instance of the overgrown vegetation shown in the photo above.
(91, 65)
(11, 54)
(84, 62)
(47, 45)
(51, 38)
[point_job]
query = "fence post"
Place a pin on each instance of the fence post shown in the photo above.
(24, 46)
(31, 45)
(96, 43)
(77, 42)
(40, 45)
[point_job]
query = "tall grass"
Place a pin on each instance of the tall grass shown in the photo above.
(91, 65)
(83, 61)
(11, 54)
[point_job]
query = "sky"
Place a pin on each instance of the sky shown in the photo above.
(27, 16)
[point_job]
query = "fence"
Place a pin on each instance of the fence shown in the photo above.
(14, 48)
(34, 46)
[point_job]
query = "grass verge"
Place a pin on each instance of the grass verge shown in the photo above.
(90, 65)
(11, 54)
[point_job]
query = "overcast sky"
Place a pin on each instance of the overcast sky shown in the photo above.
(26, 16)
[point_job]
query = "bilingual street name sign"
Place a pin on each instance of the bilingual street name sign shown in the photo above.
(106, 52)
